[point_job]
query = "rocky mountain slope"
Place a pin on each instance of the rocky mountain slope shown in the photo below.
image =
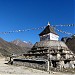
(70, 42)
(8, 48)
(22, 43)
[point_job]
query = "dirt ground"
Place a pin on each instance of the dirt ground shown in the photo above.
(21, 70)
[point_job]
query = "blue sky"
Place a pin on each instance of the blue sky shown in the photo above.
(25, 14)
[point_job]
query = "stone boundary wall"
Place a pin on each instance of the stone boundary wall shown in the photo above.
(34, 64)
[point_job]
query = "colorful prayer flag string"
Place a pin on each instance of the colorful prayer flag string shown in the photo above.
(17, 31)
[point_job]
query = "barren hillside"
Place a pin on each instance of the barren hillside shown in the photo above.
(7, 48)
(70, 42)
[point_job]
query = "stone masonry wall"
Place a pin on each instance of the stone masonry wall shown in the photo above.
(41, 66)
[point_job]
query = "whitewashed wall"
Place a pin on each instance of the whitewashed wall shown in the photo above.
(54, 36)
(49, 36)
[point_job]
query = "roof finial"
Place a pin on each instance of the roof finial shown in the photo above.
(48, 23)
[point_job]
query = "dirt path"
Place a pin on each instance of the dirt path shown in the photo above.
(20, 70)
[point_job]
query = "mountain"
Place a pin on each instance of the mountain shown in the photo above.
(22, 43)
(8, 48)
(70, 42)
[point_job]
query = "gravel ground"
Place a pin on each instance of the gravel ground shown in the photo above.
(21, 70)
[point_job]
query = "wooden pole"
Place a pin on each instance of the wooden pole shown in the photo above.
(48, 66)
(48, 69)
(10, 59)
